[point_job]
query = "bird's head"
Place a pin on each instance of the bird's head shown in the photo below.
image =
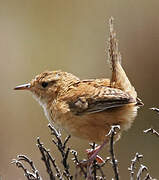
(46, 86)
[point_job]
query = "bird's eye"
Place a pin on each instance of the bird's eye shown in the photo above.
(44, 84)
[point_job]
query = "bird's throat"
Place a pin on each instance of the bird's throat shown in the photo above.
(44, 105)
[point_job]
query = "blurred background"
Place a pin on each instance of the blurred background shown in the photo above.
(38, 35)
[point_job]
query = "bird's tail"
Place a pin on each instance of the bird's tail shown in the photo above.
(119, 78)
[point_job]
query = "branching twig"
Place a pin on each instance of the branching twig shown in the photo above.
(152, 131)
(34, 175)
(148, 177)
(47, 158)
(133, 163)
(92, 168)
(96, 166)
(62, 148)
(77, 162)
(141, 169)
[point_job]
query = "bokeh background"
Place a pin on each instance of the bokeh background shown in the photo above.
(36, 35)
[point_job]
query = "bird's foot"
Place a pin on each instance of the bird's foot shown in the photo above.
(93, 154)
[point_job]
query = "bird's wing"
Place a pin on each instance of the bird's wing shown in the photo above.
(86, 99)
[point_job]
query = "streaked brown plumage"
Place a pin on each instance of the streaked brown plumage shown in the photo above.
(84, 108)
(87, 108)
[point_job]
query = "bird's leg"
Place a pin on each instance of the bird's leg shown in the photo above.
(93, 153)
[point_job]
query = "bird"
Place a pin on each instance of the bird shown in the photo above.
(87, 108)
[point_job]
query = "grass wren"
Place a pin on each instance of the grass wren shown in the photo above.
(87, 108)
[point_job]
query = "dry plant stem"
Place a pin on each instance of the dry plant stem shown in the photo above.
(152, 131)
(94, 169)
(91, 165)
(133, 163)
(62, 148)
(91, 168)
(47, 158)
(89, 173)
(99, 167)
(155, 109)
(147, 177)
(34, 175)
(77, 162)
(114, 161)
(141, 169)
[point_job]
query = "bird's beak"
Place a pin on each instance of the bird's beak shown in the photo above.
(23, 87)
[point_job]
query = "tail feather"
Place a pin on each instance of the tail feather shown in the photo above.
(119, 78)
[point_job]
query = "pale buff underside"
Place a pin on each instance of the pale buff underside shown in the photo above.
(98, 124)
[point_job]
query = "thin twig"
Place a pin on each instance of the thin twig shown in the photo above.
(133, 163)
(93, 165)
(47, 158)
(142, 168)
(77, 162)
(148, 177)
(34, 175)
(155, 109)
(63, 150)
(140, 171)
(152, 131)
(112, 133)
